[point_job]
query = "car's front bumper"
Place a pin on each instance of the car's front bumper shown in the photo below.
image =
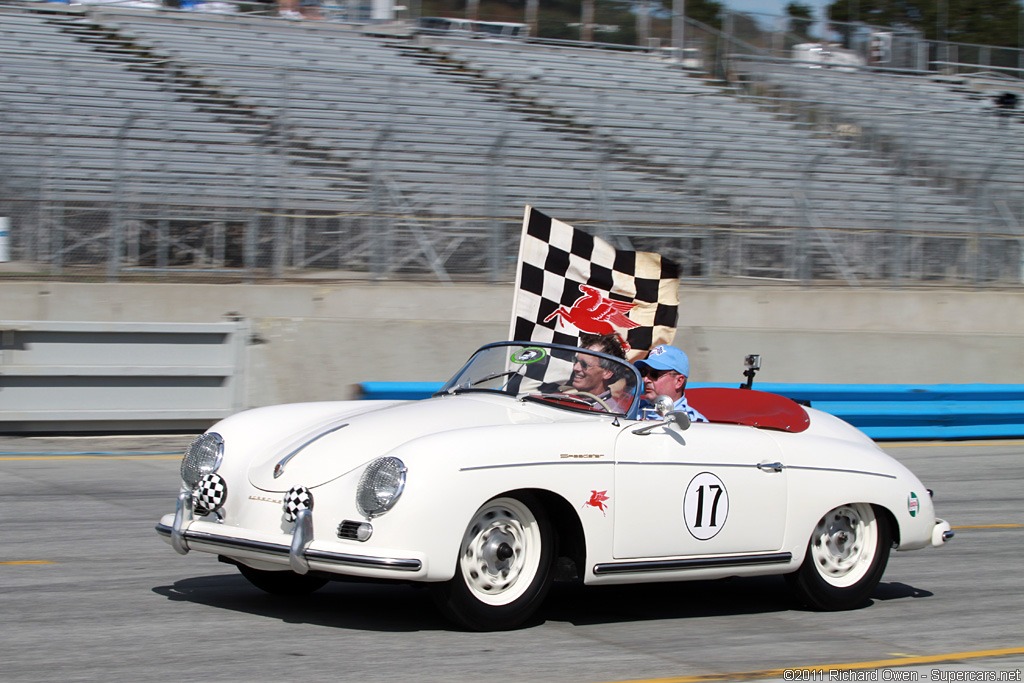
(299, 554)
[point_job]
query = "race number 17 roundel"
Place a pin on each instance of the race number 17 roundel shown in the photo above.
(705, 506)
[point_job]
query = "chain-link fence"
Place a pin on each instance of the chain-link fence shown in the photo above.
(120, 161)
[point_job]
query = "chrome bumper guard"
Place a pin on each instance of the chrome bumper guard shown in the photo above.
(302, 536)
(183, 515)
(299, 549)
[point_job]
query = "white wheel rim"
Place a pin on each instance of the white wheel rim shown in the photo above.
(844, 543)
(501, 551)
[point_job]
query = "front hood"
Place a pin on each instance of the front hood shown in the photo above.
(330, 447)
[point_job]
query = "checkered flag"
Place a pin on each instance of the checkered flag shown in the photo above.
(569, 282)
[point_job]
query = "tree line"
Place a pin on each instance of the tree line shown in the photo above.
(983, 22)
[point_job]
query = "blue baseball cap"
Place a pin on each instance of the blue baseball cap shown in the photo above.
(665, 357)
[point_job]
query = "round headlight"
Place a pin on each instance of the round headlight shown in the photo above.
(380, 486)
(202, 457)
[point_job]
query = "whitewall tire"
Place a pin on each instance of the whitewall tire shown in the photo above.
(846, 557)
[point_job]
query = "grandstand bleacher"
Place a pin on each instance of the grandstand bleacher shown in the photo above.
(312, 144)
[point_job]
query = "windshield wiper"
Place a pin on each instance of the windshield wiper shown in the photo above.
(493, 375)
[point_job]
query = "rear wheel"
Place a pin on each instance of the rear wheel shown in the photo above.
(504, 567)
(282, 583)
(846, 557)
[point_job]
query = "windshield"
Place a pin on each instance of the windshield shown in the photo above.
(562, 376)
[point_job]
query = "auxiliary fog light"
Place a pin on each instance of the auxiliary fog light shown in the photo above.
(297, 499)
(210, 494)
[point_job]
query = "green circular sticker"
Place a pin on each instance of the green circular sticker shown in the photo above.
(913, 504)
(530, 354)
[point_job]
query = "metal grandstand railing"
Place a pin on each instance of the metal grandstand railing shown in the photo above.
(168, 145)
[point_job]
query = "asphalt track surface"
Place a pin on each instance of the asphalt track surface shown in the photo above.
(89, 592)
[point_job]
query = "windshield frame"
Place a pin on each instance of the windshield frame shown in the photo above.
(459, 383)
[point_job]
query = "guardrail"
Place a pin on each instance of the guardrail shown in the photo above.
(107, 376)
(882, 411)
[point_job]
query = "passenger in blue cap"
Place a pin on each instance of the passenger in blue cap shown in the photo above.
(665, 371)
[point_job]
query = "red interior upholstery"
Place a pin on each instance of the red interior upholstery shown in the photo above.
(749, 407)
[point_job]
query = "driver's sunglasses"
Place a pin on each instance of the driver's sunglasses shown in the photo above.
(652, 374)
(585, 364)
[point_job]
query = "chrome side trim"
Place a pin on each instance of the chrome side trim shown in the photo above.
(609, 461)
(691, 563)
(761, 466)
(685, 464)
(837, 469)
(576, 462)
(279, 467)
(182, 517)
(282, 551)
(302, 536)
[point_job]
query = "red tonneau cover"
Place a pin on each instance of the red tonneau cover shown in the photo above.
(749, 407)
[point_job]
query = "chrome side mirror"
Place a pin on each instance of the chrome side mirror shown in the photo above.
(663, 406)
(681, 419)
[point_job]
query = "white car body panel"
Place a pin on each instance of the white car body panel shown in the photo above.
(651, 479)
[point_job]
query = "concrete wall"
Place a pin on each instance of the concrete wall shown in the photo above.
(315, 341)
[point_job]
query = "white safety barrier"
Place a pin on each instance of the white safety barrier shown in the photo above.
(5, 239)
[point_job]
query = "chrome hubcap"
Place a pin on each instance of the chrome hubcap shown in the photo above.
(844, 542)
(500, 552)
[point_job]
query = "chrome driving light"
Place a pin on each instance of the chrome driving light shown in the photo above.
(202, 457)
(380, 486)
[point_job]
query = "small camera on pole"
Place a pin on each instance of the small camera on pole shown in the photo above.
(752, 363)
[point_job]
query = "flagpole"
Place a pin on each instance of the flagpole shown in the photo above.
(519, 271)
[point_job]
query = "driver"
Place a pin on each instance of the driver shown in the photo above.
(599, 376)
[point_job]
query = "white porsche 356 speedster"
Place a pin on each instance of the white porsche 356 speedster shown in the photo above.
(510, 471)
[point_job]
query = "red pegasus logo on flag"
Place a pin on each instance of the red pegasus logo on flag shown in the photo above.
(597, 499)
(595, 313)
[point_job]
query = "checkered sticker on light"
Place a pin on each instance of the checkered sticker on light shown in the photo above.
(298, 498)
(210, 494)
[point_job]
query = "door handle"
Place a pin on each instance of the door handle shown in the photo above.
(769, 466)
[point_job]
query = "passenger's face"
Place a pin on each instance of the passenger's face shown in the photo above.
(658, 382)
(589, 376)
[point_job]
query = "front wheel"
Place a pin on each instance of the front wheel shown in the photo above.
(846, 557)
(282, 582)
(504, 567)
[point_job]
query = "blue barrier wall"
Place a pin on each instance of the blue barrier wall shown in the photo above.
(882, 411)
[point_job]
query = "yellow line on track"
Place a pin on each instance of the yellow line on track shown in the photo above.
(91, 457)
(13, 562)
(879, 664)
